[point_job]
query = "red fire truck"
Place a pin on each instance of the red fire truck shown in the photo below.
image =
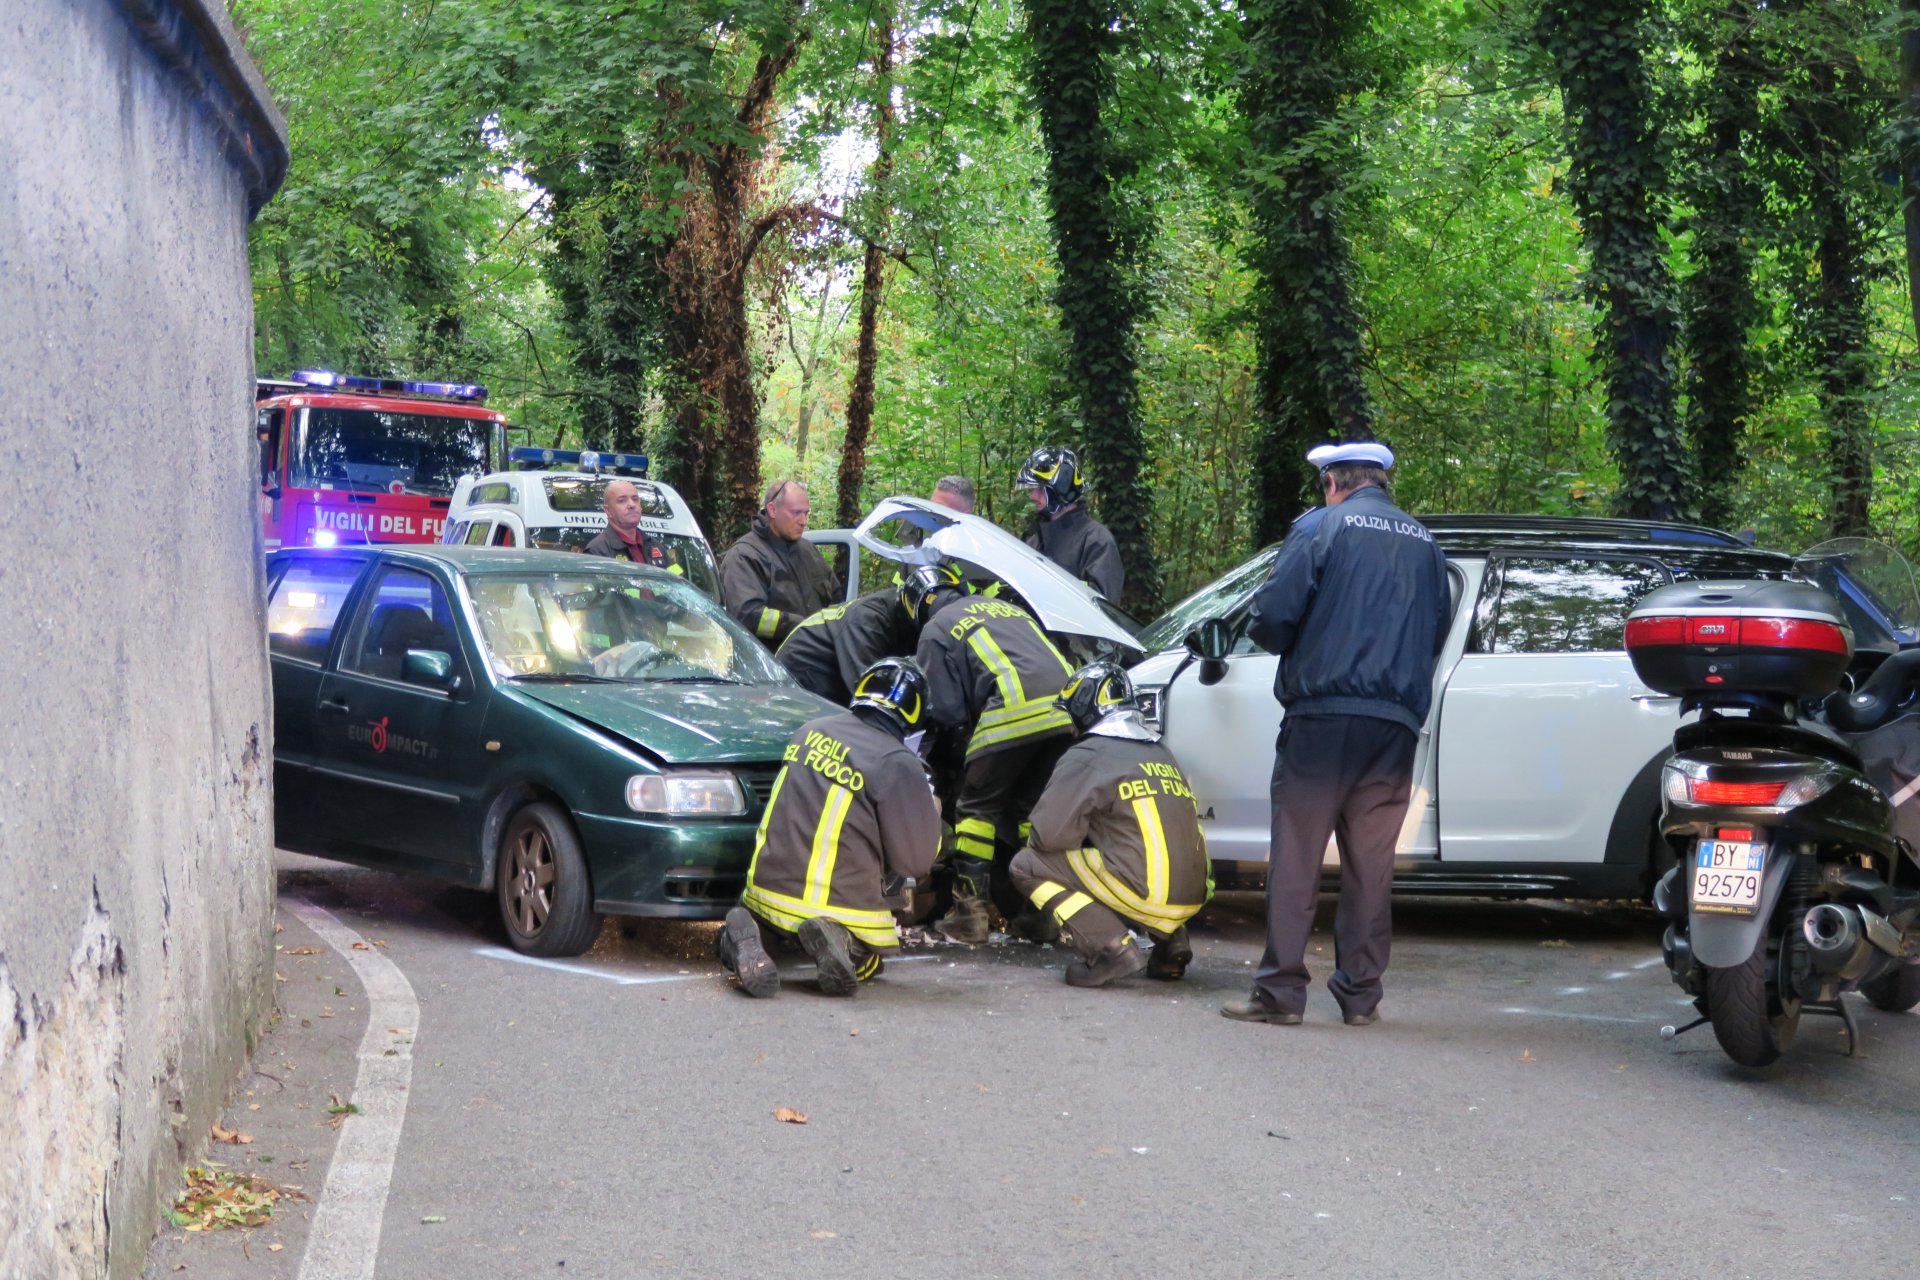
(346, 459)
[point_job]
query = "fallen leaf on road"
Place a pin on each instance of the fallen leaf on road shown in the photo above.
(361, 946)
(275, 1248)
(434, 1217)
(233, 1136)
(854, 1032)
(1526, 1055)
(1555, 942)
(253, 1106)
(304, 951)
(788, 1115)
(401, 1031)
(822, 1235)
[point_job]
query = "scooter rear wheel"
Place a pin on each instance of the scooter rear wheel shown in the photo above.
(1749, 1021)
(1896, 990)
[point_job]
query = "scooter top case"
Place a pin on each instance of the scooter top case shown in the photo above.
(1699, 639)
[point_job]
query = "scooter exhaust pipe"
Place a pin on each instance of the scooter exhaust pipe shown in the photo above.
(1837, 938)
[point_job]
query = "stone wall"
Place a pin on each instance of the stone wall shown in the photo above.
(135, 816)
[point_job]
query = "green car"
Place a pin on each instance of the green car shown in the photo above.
(583, 736)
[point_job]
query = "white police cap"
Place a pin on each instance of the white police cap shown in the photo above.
(1362, 451)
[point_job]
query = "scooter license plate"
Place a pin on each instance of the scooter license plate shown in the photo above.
(1726, 876)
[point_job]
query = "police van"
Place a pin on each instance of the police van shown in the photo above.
(555, 500)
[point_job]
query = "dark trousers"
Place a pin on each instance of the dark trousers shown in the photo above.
(1344, 776)
(997, 793)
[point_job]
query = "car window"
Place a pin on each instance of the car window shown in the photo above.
(477, 533)
(1560, 604)
(612, 627)
(305, 603)
(408, 610)
(1215, 600)
(503, 535)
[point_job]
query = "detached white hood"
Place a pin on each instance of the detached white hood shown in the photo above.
(1061, 601)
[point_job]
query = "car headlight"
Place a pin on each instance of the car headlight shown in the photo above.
(683, 793)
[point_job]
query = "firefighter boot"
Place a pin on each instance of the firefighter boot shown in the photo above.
(1121, 960)
(830, 945)
(738, 948)
(967, 921)
(1171, 956)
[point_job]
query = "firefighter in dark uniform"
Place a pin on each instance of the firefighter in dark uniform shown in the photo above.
(1116, 839)
(623, 538)
(828, 652)
(993, 674)
(1357, 606)
(772, 578)
(1064, 533)
(851, 811)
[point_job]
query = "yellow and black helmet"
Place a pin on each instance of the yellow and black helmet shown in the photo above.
(895, 687)
(1057, 470)
(1096, 691)
(926, 588)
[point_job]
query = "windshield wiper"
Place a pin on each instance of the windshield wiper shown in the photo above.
(562, 677)
(707, 679)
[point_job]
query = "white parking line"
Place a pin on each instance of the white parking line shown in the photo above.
(1648, 964)
(628, 980)
(1580, 1017)
(344, 1242)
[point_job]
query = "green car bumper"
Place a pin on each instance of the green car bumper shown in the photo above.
(680, 868)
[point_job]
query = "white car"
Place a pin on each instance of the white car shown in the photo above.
(1537, 771)
(914, 530)
(563, 510)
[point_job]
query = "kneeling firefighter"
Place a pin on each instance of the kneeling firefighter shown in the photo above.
(1116, 839)
(851, 809)
(830, 650)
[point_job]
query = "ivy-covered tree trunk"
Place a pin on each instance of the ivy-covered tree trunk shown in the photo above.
(1312, 378)
(873, 265)
(1617, 178)
(1099, 238)
(1719, 296)
(1909, 135)
(1838, 325)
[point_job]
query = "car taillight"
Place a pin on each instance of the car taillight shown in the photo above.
(1707, 791)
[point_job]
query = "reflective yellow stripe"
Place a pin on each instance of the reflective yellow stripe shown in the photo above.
(760, 837)
(875, 928)
(1046, 891)
(1153, 837)
(826, 844)
(1066, 910)
(769, 623)
(868, 967)
(1114, 893)
(1005, 676)
(974, 838)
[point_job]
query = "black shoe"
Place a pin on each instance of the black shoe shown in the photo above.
(739, 947)
(1362, 1019)
(827, 942)
(1120, 962)
(1256, 1009)
(1035, 926)
(1171, 956)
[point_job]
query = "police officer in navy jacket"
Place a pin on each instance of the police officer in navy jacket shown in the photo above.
(1357, 607)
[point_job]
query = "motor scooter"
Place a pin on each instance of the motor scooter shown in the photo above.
(1794, 884)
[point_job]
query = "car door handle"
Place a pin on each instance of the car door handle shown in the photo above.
(1654, 699)
(333, 704)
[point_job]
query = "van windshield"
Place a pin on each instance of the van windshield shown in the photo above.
(690, 554)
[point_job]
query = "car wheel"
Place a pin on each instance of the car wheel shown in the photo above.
(546, 896)
(1896, 990)
(1749, 1020)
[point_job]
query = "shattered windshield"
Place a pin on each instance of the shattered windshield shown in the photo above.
(602, 626)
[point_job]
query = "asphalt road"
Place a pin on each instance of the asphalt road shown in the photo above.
(1514, 1112)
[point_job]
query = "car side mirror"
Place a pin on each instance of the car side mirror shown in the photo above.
(1210, 640)
(272, 491)
(431, 667)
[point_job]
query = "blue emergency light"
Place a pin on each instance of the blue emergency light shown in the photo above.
(586, 460)
(329, 380)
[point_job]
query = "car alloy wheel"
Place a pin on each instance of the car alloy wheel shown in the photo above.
(546, 895)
